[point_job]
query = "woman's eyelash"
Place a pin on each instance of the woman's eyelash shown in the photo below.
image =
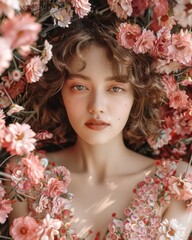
(117, 89)
(79, 87)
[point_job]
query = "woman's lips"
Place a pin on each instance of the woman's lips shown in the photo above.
(96, 124)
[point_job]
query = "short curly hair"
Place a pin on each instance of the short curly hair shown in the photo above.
(45, 96)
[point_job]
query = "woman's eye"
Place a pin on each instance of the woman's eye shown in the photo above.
(79, 88)
(116, 89)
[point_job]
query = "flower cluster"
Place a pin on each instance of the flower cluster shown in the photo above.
(143, 216)
(45, 187)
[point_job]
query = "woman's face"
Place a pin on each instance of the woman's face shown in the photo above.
(98, 107)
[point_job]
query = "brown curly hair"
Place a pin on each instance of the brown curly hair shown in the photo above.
(45, 97)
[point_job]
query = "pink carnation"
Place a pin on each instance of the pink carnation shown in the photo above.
(5, 209)
(62, 173)
(170, 84)
(5, 54)
(34, 69)
(145, 42)
(33, 168)
(178, 99)
(21, 30)
(122, 8)
(23, 228)
(128, 34)
(19, 139)
(181, 48)
(183, 13)
(181, 187)
(82, 7)
(55, 187)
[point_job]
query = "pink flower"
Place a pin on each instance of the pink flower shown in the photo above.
(61, 17)
(163, 138)
(54, 187)
(23, 228)
(33, 168)
(62, 173)
(161, 44)
(170, 84)
(8, 7)
(14, 108)
(161, 7)
(178, 99)
(44, 135)
(171, 230)
(82, 7)
(181, 187)
(122, 8)
(19, 139)
(5, 54)
(34, 69)
(21, 30)
(181, 48)
(145, 42)
(49, 228)
(59, 205)
(5, 209)
(128, 34)
(183, 13)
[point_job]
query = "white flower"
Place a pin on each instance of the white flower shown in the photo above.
(47, 53)
(172, 230)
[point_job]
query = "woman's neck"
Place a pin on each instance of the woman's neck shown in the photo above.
(101, 160)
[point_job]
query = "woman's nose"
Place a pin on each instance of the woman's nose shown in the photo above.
(96, 104)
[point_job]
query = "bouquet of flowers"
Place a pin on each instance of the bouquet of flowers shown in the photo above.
(161, 28)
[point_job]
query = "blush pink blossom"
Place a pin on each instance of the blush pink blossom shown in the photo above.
(178, 99)
(183, 13)
(160, 8)
(161, 44)
(145, 42)
(169, 83)
(5, 54)
(181, 48)
(181, 188)
(128, 34)
(44, 135)
(161, 22)
(5, 209)
(62, 173)
(8, 7)
(54, 187)
(47, 52)
(34, 69)
(23, 228)
(20, 30)
(82, 7)
(19, 139)
(61, 17)
(163, 138)
(49, 228)
(122, 8)
(33, 168)
(14, 108)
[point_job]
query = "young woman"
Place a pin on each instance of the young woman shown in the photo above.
(98, 97)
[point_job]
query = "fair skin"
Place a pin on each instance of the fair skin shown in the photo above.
(103, 171)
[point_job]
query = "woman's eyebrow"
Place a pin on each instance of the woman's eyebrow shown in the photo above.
(78, 75)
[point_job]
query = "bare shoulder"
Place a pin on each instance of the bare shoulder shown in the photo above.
(140, 162)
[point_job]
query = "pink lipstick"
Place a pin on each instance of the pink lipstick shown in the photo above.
(95, 124)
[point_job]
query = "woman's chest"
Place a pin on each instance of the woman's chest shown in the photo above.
(95, 205)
